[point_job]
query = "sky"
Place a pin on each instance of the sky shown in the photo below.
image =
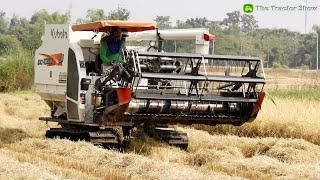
(270, 16)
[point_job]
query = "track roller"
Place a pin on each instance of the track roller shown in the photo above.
(168, 135)
(173, 137)
(107, 138)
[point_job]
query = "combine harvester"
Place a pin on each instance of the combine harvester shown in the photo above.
(148, 91)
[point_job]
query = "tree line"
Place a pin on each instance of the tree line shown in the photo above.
(239, 34)
(236, 34)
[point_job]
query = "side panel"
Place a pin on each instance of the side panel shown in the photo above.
(76, 71)
(51, 58)
(51, 61)
(72, 87)
(73, 76)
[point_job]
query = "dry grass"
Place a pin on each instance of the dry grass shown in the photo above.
(283, 143)
(291, 78)
(21, 110)
(290, 118)
(8, 135)
(98, 162)
(256, 158)
(12, 168)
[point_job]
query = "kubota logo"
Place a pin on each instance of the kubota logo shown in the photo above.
(56, 33)
(51, 60)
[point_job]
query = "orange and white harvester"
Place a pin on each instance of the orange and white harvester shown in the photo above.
(149, 90)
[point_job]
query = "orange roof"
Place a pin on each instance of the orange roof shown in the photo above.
(103, 26)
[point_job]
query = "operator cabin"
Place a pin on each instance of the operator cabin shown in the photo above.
(101, 54)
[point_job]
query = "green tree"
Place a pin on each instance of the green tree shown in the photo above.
(307, 52)
(92, 16)
(182, 25)
(198, 22)
(119, 14)
(36, 27)
(232, 21)
(307, 60)
(3, 23)
(43, 17)
(21, 29)
(248, 23)
(163, 22)
(8, 44)
(29, 32)
(316, 28)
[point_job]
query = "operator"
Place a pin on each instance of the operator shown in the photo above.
(111, 48)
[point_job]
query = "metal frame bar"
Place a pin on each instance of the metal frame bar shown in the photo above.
(202, 78)
(198, 56)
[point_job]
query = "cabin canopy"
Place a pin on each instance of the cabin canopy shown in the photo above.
(104, 26)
